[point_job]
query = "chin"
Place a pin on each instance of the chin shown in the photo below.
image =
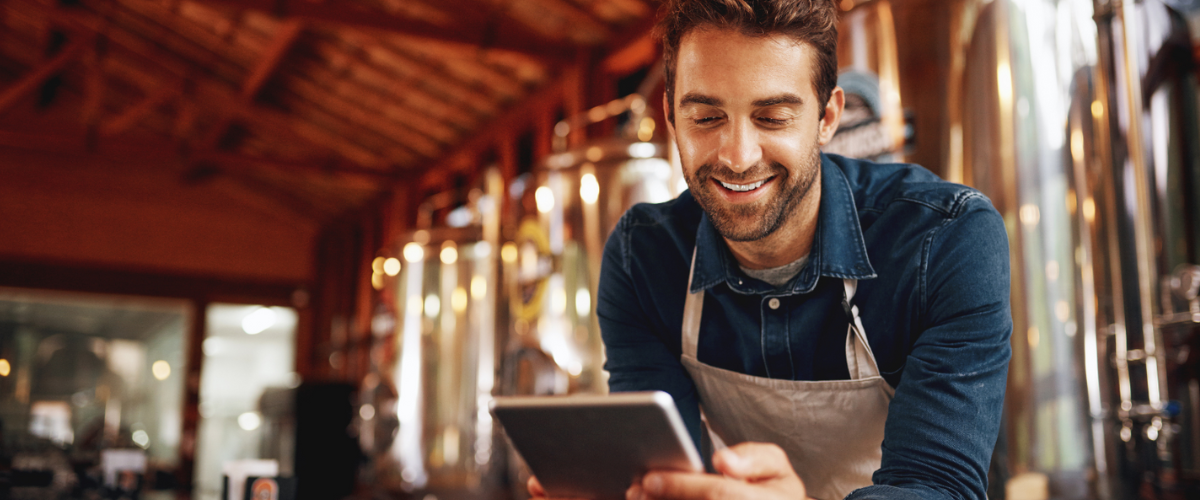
(744, 227)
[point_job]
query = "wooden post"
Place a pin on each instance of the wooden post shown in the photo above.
(197, 329)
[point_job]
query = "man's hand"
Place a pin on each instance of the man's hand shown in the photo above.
(749, 470)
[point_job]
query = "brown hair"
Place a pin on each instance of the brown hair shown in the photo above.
(810, 21)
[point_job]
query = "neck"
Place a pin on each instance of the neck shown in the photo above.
(790, 242)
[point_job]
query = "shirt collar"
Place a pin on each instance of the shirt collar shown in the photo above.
(838, 250)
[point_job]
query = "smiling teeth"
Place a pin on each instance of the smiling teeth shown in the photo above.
(742, 187)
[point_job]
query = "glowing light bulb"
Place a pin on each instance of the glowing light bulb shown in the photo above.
(140, 438)
(478, 287)
(583, 302)
(458, 300)
(433, 305)
(413, 252)
(391, 266)
(249, 421)
(508, 252)
(642, 150)
(545, 199)
(589, 189)
(449, 255)
(161, 369)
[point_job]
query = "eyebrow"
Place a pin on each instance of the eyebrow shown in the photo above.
(694, 98)
(786, 98)
(779, 99)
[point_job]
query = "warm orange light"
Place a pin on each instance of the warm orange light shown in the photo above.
(5, 368)
(508, 252)
(478, 287)
(391, 266)
(449, 254)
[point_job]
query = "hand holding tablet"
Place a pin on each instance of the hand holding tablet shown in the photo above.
(597, 446)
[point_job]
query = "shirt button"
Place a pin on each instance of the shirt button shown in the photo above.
(773, 303)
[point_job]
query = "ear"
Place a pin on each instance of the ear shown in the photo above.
(667, 117)
(833, 115)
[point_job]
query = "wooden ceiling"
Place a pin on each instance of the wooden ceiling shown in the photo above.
(319, 104)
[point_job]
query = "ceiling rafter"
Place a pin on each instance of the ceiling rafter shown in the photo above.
(132, 115)
(34, 79)
(458, 64)
(438, 132)
(385, 82)
(518, 117)
(199, 56)
(341, 14)
(576, 17)
(377, 56)
(288, 33)
(420, 144)
(224, 99)
(76, 143)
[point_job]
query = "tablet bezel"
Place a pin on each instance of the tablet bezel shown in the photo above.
(684, 457)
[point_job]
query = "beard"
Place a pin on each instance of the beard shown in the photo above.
(757, 220)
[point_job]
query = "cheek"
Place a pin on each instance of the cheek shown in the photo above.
(692, 151)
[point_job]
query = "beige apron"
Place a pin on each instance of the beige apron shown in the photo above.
(832, 430)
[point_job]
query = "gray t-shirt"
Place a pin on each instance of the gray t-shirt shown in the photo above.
(777, 276)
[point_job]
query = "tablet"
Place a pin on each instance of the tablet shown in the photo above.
(595, 446)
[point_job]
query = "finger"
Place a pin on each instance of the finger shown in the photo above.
(753, 462)
(535, 487)
(690, 485)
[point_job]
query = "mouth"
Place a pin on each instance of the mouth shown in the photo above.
(741, 193)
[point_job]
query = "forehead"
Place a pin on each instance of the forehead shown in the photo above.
(723, 62)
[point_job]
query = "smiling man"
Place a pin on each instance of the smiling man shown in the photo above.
(842, 326)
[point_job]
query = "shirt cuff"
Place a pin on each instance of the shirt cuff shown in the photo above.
(885, 492)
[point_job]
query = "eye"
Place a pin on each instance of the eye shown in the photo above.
(775, 122)
(705, 120)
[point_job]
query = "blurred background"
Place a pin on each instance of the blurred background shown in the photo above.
(310, 240)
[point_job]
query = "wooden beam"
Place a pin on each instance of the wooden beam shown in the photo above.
(577, 18)
(31, 81)
(80, 277)
(132, 115)
(495, 19)
(346, 15)
(640, 52)
(285, 37)
(75, 143)
(218, 95)
(518, 117)
(94, 87)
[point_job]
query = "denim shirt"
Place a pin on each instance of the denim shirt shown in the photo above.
(932, 262)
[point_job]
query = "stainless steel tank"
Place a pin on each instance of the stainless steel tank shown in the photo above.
(429, 421)
(1078, 120)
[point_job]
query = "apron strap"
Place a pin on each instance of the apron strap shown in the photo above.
(859, 358)
(693, 306)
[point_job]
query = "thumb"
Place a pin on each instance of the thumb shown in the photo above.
(753, 462)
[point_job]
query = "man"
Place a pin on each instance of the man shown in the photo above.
(843, 324)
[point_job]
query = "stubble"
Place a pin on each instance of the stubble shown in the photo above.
(754, 221)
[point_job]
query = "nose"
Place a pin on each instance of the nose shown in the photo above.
(740, 148)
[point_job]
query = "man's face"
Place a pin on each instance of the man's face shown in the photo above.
(748, 126)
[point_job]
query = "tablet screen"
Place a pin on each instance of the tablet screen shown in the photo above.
(596, 446)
